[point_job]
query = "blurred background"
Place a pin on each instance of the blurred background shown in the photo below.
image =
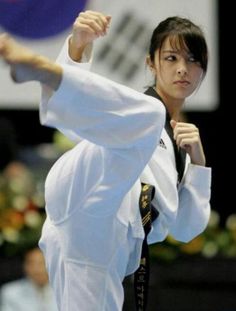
(198, 276)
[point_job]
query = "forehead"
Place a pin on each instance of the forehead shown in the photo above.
(174, 43)
(34, 255)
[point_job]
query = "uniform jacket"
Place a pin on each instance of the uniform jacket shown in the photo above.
(92, 191)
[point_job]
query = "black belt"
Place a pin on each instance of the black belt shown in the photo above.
(141, 276)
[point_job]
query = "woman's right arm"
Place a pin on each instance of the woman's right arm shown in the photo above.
(88, 26)
(100, 118)
(77, 50)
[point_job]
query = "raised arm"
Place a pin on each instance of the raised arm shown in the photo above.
(88, 26)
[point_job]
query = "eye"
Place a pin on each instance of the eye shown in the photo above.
(170, 58)
(192, 59)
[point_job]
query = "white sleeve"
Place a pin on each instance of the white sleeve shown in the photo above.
(106, 113)
(183, 211)
(64, 58)
(194, 207)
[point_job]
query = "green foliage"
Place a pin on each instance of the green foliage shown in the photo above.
(214, 241)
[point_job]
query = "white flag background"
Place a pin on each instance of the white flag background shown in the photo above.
(121, 54)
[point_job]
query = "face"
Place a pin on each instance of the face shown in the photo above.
(34, 267)
(177, 73)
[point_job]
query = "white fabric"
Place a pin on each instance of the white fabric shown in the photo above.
(93, 233)
(22, 295)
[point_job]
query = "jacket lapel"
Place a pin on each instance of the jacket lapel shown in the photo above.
(180, 154)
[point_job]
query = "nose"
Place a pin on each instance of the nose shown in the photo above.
(182, 69)
(182, 72)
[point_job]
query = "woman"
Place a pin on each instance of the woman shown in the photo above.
(93, 234)
(34, 282)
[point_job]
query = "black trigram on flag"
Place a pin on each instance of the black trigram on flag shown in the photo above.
(125, 49)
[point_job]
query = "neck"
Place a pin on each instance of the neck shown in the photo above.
(173, 105)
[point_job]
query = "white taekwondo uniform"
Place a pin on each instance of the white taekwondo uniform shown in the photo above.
(93, 233)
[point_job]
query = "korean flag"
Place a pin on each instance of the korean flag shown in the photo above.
(120, 56)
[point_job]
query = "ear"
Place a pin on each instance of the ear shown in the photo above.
(150, 64)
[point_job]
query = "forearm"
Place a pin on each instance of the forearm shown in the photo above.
(64, 57)
(74, 52)
(88, 26)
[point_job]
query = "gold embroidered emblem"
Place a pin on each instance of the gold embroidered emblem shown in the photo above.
(145, 187)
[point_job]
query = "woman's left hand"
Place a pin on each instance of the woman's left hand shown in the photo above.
(187, 137)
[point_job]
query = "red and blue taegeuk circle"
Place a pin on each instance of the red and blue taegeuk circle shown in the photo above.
(36, 19)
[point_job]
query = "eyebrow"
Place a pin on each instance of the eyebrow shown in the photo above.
(176, 52)
(170, 51)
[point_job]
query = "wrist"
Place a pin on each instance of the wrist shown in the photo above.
(74, 51)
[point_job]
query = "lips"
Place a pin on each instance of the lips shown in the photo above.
(182, 82)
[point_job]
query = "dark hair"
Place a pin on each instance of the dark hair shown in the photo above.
(185, 33)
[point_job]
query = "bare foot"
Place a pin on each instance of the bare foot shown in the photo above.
(18, 57)
(25, 65)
